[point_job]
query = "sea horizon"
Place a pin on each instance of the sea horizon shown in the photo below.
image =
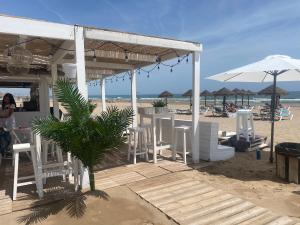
(292, 96)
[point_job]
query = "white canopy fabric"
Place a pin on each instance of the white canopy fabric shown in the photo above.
(261, 71)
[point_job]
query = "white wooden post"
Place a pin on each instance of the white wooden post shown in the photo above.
(195, 119)
(39, 167)
(103, 94)
(44, 96)
(81, 84)
(54, 99)
(133, 97)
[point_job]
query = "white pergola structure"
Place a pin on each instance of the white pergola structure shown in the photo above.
(97, 53)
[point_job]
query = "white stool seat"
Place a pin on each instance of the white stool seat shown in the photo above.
(184, 130)
(137, 142)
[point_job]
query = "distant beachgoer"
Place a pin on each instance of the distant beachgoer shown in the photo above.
(7, 121)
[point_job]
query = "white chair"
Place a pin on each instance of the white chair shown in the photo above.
(36, 178)
(184, 131)
(137, 143)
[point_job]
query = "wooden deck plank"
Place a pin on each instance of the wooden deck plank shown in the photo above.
(164, 185)
(214, 216)
(245, 215)
(173, 190)
(172, 198)
(185, 209)
(284, 220)
(201, 211)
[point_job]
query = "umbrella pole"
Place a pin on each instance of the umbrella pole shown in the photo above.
(205, 101)
(248, 100)
(273, 117)
(235, 102)
(224, 100)
(190, 102)
(242, 100)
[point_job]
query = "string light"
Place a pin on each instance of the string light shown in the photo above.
(126, 51)
(126, 56)
(94, 57)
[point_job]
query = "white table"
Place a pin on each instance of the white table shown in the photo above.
(158, 145)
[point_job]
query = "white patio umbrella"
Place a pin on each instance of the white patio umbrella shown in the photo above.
(271, 69)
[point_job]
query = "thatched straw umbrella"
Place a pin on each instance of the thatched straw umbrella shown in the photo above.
(249, 93)
(237, 93)
(189, 94)
(278, 93)
(166, 95)
(205, 93)
(224, 92)
(215, 97)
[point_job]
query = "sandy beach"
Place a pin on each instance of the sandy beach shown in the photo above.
(243, 175)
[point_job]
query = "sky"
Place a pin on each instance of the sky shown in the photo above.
(233, 33)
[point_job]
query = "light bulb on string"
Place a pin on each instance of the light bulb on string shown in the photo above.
(139, 71)
(148, 75)
(171, 70)
(178, 60)
(158, 67)
(94, 57)
(126, 56)
(187, 58)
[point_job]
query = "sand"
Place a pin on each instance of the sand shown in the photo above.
(245, 176)
(123, 207)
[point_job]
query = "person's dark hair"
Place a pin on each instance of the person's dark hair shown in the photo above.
(11, 100)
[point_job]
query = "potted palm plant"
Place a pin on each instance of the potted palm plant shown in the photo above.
(159, 106)
(87, 138)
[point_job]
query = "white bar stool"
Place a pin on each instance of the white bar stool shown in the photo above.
(184, 130)
(26, 148)
(244, 124)
(137, 143)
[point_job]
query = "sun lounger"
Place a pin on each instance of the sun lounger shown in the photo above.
(203, 110)
(183, 111)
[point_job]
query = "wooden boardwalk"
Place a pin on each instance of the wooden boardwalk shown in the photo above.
(168, 188)
(185, 200)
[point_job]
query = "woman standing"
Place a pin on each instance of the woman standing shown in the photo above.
(7, 121)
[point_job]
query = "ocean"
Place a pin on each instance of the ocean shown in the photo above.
(291, 97)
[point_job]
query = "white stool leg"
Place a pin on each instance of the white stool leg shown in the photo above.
(69, 162)
(45, 152)
(135, 146)
(184, 146)
(129, 145)
(145, 144)
(16, 172)
(174, 152)
(75, 170)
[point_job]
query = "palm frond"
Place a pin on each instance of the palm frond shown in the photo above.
(71, 99)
